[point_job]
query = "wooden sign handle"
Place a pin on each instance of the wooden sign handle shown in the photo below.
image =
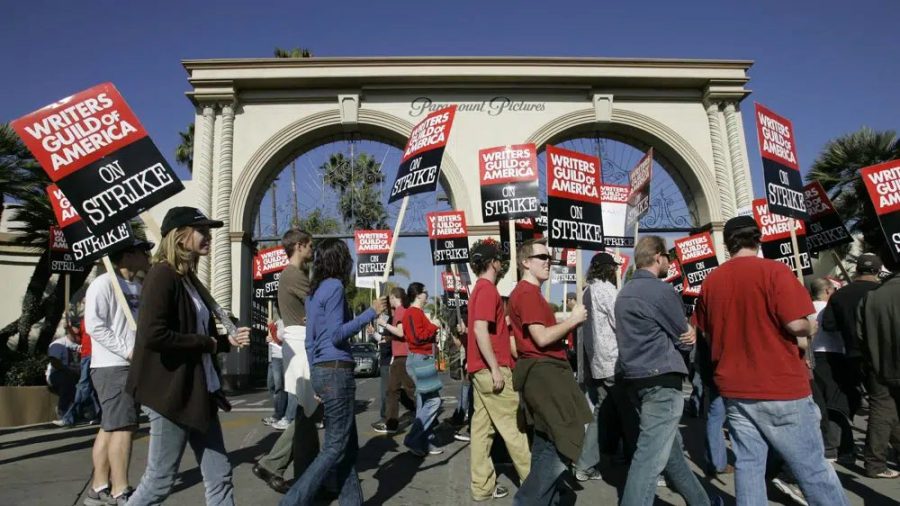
(792, 223)
(390, 258)
(120, 295)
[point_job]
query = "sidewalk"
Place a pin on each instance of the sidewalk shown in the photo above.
(51, 466)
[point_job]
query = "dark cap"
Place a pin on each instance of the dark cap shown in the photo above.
(603, 258)
(739, 223)
(868, 263)
(186, 216)
(485, 252)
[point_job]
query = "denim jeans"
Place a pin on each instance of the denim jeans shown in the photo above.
(290, 412)
(464, 400)
(337, 389)
(716, 452)
(385, 371)
(421, 432)
(167, 442)
(85, 396)
(542, 485)
(62, 383)
(275, 384)
(659, 450)
(790, 428)
(598, 391)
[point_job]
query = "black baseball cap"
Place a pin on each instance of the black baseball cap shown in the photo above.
(184, 216)
(739, 223)
(868, 263)
(603, 258)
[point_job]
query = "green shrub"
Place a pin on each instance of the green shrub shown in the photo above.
(20, 370)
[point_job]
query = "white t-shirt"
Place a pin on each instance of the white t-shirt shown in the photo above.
(212, 378)
(112, 340)
(826, 341)
(274, 348)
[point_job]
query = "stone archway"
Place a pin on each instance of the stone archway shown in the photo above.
(252, 114)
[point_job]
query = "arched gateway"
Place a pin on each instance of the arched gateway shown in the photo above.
(254, 115)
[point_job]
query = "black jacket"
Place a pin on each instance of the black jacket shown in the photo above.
(166, 371)
(840, 314)
(879, 329)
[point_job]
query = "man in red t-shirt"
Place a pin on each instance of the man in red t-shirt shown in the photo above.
(554, 404)
(753, 311)
(399, 382)
(490, 364)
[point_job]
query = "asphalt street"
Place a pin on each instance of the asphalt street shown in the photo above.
(49, 466)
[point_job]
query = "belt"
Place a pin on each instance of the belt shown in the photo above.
(336, 364)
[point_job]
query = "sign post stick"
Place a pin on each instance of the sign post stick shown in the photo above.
(68, 287)
(512, 251)
(390, 257)
(579, 280)
(618, 271)
(840, 264)
(120, 295)
(792, 223)
(269, 320)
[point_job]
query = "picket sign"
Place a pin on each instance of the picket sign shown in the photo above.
(68, 288)
(796, 247)
(390, 257)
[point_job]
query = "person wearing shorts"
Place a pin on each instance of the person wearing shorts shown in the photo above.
(112, 343)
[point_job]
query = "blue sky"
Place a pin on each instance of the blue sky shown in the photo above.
(831, 67)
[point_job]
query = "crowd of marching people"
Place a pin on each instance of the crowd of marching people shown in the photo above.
(781, 368)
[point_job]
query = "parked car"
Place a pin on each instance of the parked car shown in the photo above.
(366, 357)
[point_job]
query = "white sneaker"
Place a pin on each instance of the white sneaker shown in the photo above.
(281, 424)
(661, 481)
(790, 490)
(269, 420)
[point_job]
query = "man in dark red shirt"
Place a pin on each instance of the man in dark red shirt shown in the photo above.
(753, 311)
(554, 404)
(490, 363)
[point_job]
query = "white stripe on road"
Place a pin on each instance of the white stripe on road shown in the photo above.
(258, 403)
(238, 401)
(250, 410)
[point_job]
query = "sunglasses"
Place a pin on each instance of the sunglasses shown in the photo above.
(543, 257)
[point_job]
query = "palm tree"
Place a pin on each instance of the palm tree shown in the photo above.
(297, 52)
(317, 223)
(356, 180)
(184, 153)
(837, 169)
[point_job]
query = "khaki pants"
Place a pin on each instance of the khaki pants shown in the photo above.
(495, 412)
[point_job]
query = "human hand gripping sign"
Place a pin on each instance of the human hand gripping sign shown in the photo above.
(241, 338)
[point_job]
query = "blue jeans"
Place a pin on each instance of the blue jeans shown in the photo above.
(275, 384)
(598, 391)
(542, 484)
(790, 427)
(337, 389)
(427, 405)
(167, 442)
(464, 400)
(85, 396)
(62, 383)
(716, 453)
(659, 450)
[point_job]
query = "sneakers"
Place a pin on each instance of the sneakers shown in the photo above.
(463, 435)
(101, 498)
(887, 474)
(790, 490)
(661, 481)
(499, 492)
(590, 474)
(281, 424)
(122, 499)
(434, 450)
(383, 428)
(320, 425)
(269, 420)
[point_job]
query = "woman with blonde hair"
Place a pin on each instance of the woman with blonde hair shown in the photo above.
(173, 373)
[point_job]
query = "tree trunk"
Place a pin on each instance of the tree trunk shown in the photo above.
(55, 304)
(31, 302)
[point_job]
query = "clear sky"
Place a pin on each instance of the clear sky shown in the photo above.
(830, 66)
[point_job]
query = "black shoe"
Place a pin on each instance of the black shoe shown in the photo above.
(262, 473)
(278, 484)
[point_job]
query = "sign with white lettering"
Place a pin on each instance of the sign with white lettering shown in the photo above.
(883, 185)
(456, 288)
(697, 258)
(372, 247)
(777, 145)
(94, 148)
(573, 195)
(562, 269)
(509, 184)
(615, 207)
(267, 266)
(639, 182)
(448, 237)
(776, 237)
(421, 161)
(675, 277)
(61, 259)
(524, 229)
(826, 229)
(84, 246)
